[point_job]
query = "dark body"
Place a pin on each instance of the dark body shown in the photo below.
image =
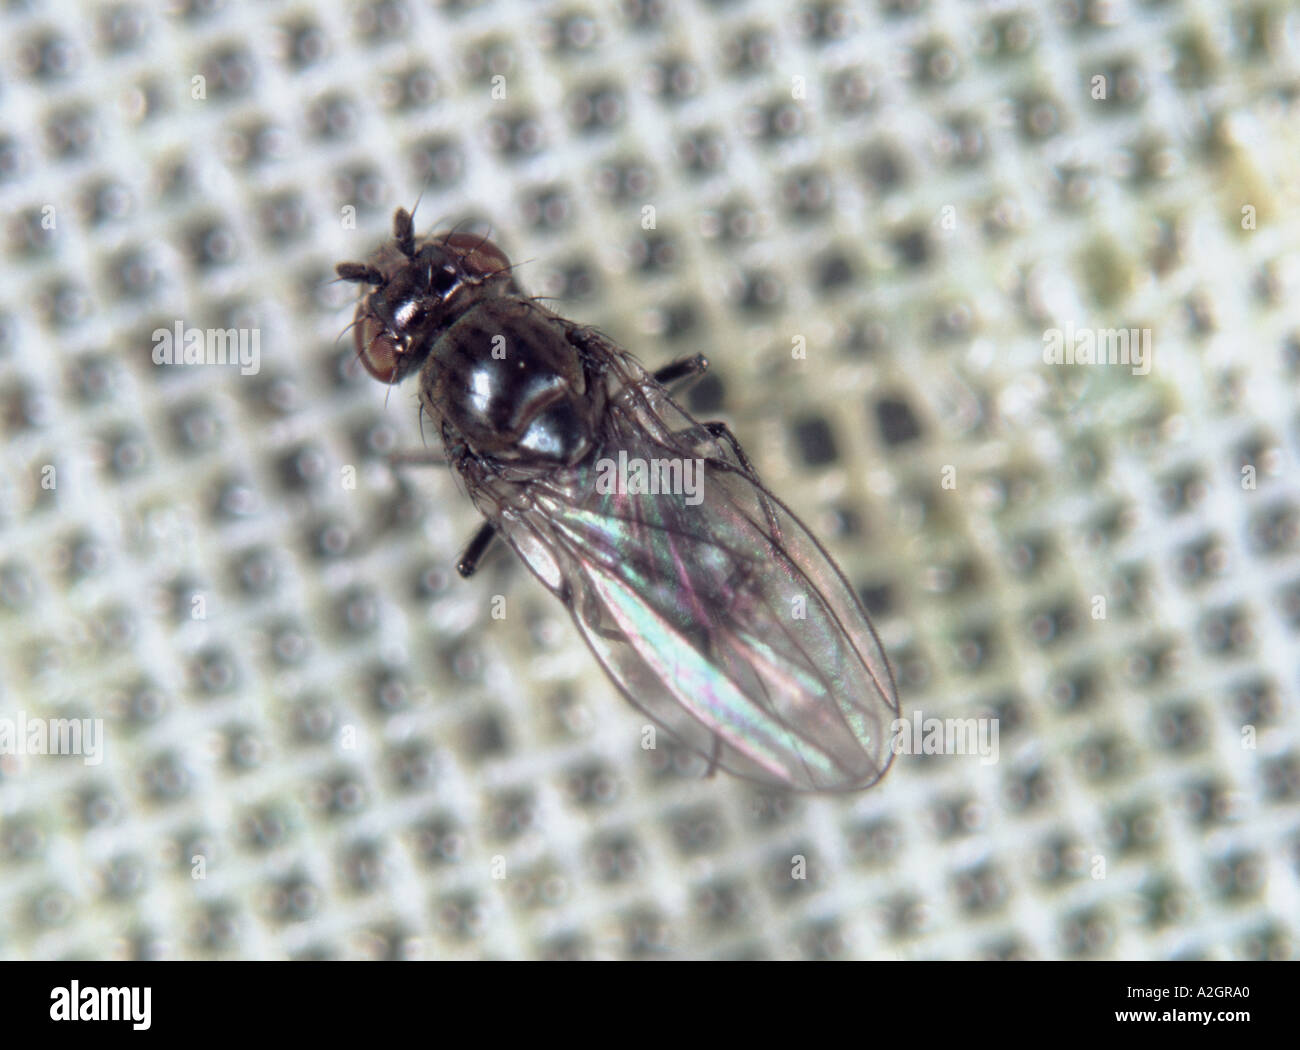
(726, 623)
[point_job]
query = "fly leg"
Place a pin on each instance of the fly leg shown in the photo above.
(421, 457)
(596, 349)
(684, 368)
(719, 431)
(481, 541)
(713, 756)
(478, 546)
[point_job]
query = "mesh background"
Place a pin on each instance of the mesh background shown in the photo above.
(338, 730)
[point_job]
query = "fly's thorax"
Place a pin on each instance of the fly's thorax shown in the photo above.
(507, 379)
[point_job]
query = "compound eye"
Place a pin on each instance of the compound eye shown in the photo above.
(378, 352)
(477, 255)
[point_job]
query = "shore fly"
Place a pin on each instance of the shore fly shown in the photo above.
(710, 606)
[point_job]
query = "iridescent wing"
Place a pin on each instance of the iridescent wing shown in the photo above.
(724, 621)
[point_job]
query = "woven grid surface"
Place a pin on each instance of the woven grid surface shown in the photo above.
(319, 742)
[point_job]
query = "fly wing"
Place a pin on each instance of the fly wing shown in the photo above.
(712, 608)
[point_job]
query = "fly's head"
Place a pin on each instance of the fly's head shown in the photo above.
(418, 290)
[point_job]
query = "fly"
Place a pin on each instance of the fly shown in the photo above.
(710, 606)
